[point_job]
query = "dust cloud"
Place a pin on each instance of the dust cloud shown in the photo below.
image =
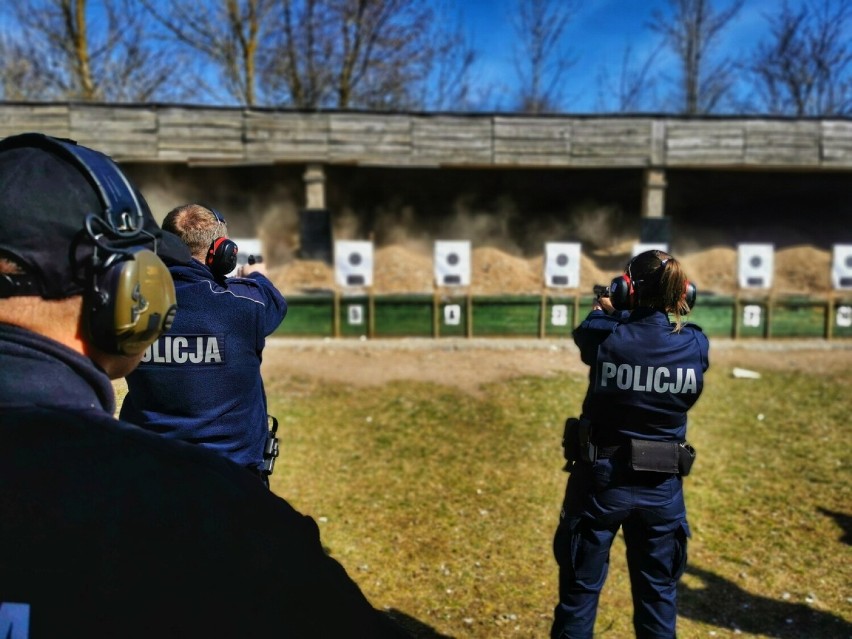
(509, 216)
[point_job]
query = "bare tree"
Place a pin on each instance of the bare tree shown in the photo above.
(228, 34)
(373, 54)
(64, 51)
(805, 67)
(448, 84)
(692, 33)
(635, 87)
(540, 60)
(23, 75)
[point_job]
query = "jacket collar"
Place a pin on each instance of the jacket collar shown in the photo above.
(37, 371)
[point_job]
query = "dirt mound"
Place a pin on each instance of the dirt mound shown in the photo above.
(494, 272)
(802, 269)
(713, 270)
(398, 269)
(301, 276)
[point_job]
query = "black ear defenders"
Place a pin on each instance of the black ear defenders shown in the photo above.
(622, 291)
(222, 254)
(129, 295)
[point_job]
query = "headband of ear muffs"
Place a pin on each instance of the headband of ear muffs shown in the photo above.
(622, 291)
(222, 255)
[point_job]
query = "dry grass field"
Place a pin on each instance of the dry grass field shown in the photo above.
(434, 470)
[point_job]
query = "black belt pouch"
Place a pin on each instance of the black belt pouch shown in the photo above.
(656, 457)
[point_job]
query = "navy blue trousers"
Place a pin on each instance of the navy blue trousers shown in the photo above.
(602, 497)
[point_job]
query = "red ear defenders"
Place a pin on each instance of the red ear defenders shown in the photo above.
(222, 254)
(622, 292)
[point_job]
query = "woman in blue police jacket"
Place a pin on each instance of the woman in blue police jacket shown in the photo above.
(628, 452)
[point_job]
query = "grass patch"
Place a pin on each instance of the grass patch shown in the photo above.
(442, 505)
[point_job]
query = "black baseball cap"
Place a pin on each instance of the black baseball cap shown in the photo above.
(51, 190)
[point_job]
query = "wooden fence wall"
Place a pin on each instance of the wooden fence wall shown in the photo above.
(237, 136)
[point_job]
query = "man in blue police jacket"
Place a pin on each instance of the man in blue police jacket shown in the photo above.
(201, 381)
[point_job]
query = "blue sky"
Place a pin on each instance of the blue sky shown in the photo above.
(597, 37)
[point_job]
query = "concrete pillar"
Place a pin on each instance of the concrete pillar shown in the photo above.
(315, 242)
(314, 187)
(654, 193)
(655, 227)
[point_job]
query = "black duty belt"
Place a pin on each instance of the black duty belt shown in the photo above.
(651, 456)
(644, 455)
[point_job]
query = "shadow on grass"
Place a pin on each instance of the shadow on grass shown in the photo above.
(414, 627)
(722, 603)
(843, 520)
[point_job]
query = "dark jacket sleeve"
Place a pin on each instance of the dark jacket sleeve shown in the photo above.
(592, 331)
(259, 287)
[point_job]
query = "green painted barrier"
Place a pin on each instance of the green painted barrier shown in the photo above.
(546, 316)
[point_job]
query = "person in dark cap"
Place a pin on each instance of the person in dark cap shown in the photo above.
(107, 530)
(202, 382)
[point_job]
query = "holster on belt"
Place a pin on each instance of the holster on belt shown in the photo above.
(576, 444)
(685, 458)
(270, 448)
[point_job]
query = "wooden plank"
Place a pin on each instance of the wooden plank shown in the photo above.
(125, 133)
(528, 128)
(695, 143)
(451, 140)
(532, 141)
(628, 140)
(370, 139)
(836, 143)
(283, 136)
(782, 143)
(51, 119)
(200, 135)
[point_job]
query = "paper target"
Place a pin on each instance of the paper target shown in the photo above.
(452, 314)
(353, 263)
(452, 263)
(756, 265)
(562, 264)
(751, 315)
(559, 315)
(841, 266)
(355, 314)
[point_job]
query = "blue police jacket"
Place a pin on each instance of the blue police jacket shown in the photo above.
(643, 377)
(107, 530)
(201, 381)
